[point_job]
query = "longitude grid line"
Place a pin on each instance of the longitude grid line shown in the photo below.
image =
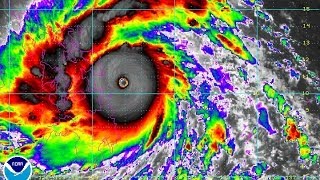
(92, 138)
(316, 93)
(9, 56)
(257, 93)
(174, 88)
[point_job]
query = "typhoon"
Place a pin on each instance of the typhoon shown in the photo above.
(152, 89)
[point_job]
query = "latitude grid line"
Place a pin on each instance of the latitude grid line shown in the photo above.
(73, 93)
(154, 9)
(75, 177)
(129, 93)
(211, 93)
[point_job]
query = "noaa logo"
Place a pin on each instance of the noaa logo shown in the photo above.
(17, 168)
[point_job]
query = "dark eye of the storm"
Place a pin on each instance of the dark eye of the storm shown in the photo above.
(122, 85)
(123, 82)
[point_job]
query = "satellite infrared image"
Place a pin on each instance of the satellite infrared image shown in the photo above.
(159, 89)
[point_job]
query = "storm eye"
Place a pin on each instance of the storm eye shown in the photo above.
(123, 82)
(122, 85)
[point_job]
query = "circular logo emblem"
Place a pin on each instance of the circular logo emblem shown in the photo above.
(17, 168)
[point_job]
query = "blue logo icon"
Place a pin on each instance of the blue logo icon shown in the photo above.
(17, 168)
